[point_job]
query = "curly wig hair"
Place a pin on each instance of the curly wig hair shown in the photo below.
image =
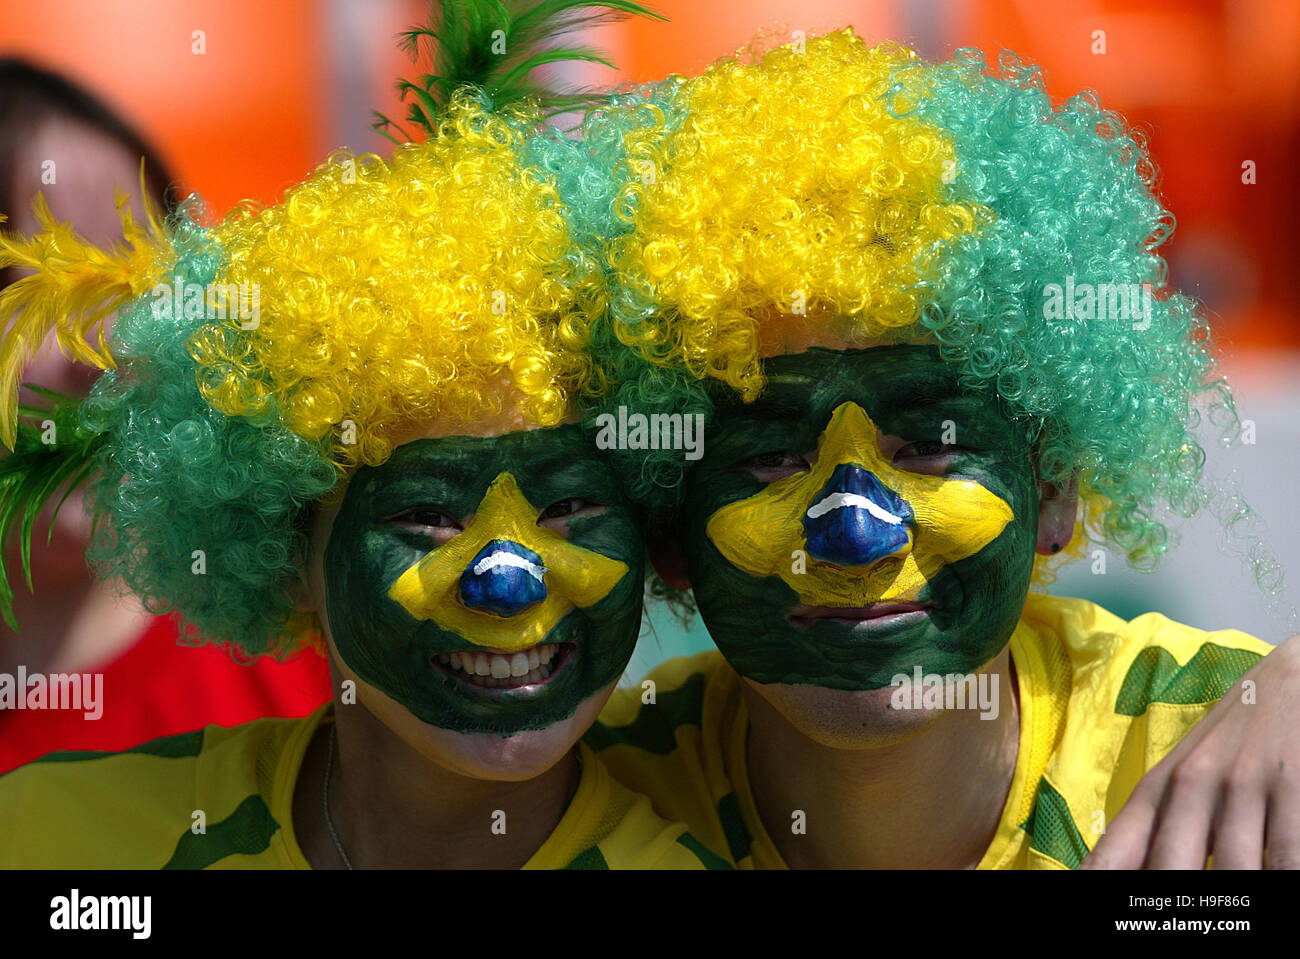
(838, 186)
(376, 297)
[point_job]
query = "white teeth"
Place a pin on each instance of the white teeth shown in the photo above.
(494, 670)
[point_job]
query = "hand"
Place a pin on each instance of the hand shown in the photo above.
(1230, 789)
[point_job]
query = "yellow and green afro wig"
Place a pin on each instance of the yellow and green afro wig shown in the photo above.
(833, 186)
(255, 362)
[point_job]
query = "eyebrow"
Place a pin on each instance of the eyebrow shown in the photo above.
(789, 379)
(552, 459)
(765, 408)
(426, 465)
(550, 465)
(926, 391)
(909, 392)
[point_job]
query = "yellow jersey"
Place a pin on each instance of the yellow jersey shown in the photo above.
(222, 798)
(1101, 702)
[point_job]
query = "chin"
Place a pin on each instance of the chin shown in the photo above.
(486, 756)
(516, 758)
(845, 718)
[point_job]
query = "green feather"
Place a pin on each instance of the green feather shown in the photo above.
(33, 474)
(494, 45)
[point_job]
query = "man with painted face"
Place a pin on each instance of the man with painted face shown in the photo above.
(862, 257)
(376, 455)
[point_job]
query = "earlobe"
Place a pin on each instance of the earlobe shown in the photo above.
(1058, 504)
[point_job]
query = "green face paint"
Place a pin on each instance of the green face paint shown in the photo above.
(775, 546)
(399, 601)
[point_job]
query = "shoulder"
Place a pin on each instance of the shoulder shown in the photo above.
(1150, 659)
(1124, 693)
(666, 740)
(141, 806)
(672, 695)
(623, 830)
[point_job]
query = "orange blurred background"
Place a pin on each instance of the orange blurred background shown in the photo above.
(278, 85)
(243, 98)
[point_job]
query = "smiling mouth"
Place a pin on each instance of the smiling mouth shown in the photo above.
(805, 616)
(492, 669)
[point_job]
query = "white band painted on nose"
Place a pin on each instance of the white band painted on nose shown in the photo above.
(503, 558)
(842, 500)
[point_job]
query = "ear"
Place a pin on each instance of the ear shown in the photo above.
(665, 549)
(1058, 504)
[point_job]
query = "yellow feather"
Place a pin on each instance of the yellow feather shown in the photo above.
(74, 288)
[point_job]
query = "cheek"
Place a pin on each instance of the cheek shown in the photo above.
(995, 580)
(990, 509)
(617, 538)
(704, 561)
(352, 580)
(1015, 547)
(368, 630)
(713, 550)
(614, 536)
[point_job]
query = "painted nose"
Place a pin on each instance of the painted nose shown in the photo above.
(856, 520)
(504, 578)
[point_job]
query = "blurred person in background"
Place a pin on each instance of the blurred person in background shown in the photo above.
(58, 139)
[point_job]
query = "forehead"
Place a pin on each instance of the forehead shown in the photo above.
(538, 449)
(882, 379)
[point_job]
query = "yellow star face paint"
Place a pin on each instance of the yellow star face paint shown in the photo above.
(568, 575)
(522, 543)
(952, 518)
(819, 557)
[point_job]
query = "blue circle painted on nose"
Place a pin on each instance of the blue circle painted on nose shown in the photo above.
(856, 520)
(504, 578)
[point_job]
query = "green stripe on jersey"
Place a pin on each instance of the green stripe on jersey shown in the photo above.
(246, 831)
(709, 859)
(1156, 677)
(654, 727)
(180, 746)
(591, 858)
(1052, 828)
(733, 827)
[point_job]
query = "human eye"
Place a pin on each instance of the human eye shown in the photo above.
(925, 456)
(438, 523)
(775, 465)
(561, 511)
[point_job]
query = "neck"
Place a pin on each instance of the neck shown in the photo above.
(393, 808)
(930, 801)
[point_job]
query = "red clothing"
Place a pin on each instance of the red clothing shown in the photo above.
(158, 688)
